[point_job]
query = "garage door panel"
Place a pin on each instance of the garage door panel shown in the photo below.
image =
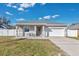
(57, 32)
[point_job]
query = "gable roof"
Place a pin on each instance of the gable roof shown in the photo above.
(52, 24)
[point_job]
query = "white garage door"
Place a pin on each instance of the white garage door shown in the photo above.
(57, 32)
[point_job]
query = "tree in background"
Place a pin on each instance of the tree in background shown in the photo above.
(4, 22)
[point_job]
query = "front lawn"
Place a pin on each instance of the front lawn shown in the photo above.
(77, 38)
(27, 47)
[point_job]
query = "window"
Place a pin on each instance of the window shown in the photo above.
(26, 30)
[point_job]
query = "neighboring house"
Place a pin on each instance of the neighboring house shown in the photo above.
(7, 30)
(42, 29)
(73, 30)
(4, 26)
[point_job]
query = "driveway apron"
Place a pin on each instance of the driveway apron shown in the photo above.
(68, 45)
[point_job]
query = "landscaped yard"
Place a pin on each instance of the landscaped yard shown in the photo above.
(27, 47)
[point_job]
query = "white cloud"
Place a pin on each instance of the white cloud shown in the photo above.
(21, 9)
(21, 6)
(33, 4)
(40, 18)
(24, 5)
(20, 19)
(47, 17)
(14, 6)
(43, 3)
(54, 16)
(8, 13)
(9, 5)
(27, 5)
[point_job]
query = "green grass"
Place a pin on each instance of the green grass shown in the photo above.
(26, 47)
(77, 38)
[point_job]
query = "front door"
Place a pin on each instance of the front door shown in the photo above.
(39, 30)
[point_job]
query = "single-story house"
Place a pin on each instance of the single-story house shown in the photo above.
(42, 29)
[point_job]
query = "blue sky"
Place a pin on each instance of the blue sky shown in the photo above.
(51, 12)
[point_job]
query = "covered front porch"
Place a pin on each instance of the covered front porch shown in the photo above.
(27, 31)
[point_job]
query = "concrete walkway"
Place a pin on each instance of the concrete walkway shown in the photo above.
(68, 45)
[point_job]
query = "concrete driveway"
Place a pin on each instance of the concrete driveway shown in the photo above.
(68, 45)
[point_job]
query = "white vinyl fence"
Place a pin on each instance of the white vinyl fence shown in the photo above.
(7, 32)
(72, 33)
(12, 32)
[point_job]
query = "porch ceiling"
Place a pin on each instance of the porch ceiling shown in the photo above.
(41, 24)
(31, 24)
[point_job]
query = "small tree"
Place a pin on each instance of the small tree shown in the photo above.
(4, 20)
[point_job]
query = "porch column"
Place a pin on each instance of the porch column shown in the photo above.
(16, 31)
(43, 32)
(23, 31)
(35, 29)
